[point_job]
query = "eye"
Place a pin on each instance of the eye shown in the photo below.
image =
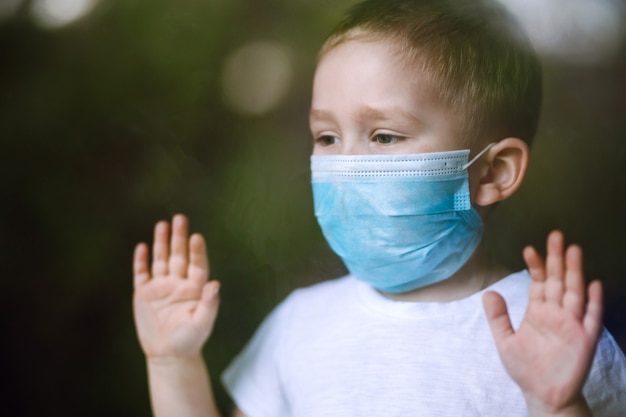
(386, 139)
(327, 140)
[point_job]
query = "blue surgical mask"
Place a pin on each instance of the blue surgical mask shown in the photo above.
(398, 222)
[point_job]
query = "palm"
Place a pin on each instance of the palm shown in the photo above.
(549, 350)
(550, 354)
(174, 305)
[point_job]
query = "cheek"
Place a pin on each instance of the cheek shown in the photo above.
(324, 150)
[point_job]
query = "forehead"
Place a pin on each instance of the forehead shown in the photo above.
(369, 67)
(376, 74)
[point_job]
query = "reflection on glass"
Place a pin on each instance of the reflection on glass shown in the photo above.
(582, 31)
(256, 77)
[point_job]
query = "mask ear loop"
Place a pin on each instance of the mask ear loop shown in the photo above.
(481, 153)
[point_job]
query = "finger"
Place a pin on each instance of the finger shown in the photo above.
(178, 255)
(554, 269)
(141, 273)
(593, 316)
(198, 270)
(206, 312)
(574, 297)
(160, 249)
(497, 317)
(536, 268)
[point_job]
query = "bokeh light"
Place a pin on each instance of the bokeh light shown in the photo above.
(256, 77)
(59, 13)
(581, 31)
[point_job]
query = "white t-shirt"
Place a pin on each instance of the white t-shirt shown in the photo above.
(342, 349)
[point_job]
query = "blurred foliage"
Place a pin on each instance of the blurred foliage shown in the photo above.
(117, 121)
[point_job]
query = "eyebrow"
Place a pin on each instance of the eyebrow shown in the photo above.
(367, 113)
(370, 113)
(315, 115)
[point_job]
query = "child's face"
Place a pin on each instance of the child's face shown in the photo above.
(366, 101)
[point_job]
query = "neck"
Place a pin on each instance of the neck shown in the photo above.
(477, 274)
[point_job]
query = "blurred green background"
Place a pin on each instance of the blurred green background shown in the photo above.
(142, 109)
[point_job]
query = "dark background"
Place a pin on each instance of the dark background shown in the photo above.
(120, 119)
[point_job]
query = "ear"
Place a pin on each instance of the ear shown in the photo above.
(502, 171)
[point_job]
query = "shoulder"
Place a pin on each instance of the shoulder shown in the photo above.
(606, 385)
(515, 284)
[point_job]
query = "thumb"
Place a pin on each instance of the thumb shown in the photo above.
(497, 316)
(593, 315)
(206, 311)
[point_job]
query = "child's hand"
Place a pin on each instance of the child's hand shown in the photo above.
(549, 356)
(174, 305)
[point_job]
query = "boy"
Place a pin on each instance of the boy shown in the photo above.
(403, 92)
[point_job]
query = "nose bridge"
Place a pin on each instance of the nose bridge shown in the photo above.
(354, 144)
